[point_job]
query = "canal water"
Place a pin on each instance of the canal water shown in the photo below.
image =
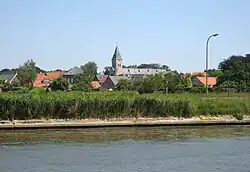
(163, 149)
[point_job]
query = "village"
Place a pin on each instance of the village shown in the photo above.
(109, 80)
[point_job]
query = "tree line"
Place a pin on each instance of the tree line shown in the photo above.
(232, 73)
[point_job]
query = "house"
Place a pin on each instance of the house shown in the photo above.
(44, 79)
(201, 81)
(117, 64)
(100, 78)
(71, 74)
(10, 78)
(112, 81)
(95, 84)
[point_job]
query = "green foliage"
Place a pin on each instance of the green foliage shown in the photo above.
(90, 69)
(124, 85)
(2, 81)
(108, 70)
(27, 72)
(188, 83)
(38, 91)
(82, 86)
(236, 69)
(60, 105)
(59, 84)
(214, 73)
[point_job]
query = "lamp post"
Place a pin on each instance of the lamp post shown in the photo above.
(214, 35)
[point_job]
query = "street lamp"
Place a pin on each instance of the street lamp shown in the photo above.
(214, 35)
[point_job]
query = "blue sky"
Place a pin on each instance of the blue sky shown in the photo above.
(67, 33)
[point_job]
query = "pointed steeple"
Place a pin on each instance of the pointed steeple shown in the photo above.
(117, 54)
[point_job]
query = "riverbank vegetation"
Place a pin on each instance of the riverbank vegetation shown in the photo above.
(105, 105)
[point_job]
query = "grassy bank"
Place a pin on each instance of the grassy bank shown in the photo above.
(61, 105)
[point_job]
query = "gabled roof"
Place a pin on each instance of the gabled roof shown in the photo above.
(9, 77)
(46, 76)
(38, 80)
(117, 54)
(6, 75)
(115, 79)
(74, 71)
(210, 80)
(52, 75)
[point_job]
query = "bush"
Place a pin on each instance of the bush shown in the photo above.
(59, 84)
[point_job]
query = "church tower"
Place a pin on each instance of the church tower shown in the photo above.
(117, 61)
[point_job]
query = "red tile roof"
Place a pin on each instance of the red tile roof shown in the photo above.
(38, 80)
(103, 78)
(210, 80)
(95, 84)
(53, 75)
(48, 76)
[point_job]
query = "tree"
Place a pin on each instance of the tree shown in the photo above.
(82, 86)
(175, 82)
(236, 69)
(188, 83)
(90, 68)
(27, 72)
(124, 85)
(165, 67)
(108, 70)
(132, 66)
(59, 84)
(150, 66)
(214, 73)
(82, 81)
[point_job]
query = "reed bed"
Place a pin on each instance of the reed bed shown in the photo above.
(105, 105)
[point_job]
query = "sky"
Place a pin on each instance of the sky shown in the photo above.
(61, 34)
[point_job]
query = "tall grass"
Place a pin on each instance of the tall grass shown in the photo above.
(79, 105)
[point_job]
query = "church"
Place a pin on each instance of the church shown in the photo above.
(118, 70)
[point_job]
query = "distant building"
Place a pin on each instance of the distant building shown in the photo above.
(201, 81)
(10, 78)
(100, 78)
(45, 79)
(112, 81)
(117, 63)
(71, 74)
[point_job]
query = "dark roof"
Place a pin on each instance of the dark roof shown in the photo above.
(74, 71)
(115, 79)
(117, 54)
(6, 76)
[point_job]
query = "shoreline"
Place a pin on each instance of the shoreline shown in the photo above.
(121, 122)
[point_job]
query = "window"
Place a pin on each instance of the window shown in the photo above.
(138, 70)
(72, 80)
(148, 70)
(119, 65)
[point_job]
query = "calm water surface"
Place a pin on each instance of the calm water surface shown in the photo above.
(201, 149)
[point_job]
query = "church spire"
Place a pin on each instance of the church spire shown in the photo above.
(117, 54)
